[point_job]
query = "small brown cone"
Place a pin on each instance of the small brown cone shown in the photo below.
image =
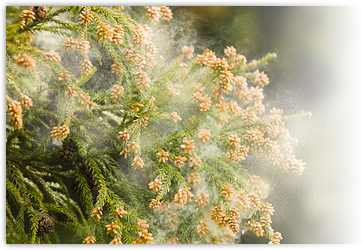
(40, 13)
(69, 153)
(45, 225)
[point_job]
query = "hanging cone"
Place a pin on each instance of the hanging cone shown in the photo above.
(40, 13)
(45, 225)
(69, 153)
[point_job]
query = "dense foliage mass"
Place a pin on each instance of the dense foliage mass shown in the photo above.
(146, 151)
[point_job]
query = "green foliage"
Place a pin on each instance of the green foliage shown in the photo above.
(83, 177)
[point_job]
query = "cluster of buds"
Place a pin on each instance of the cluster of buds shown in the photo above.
(155, 185)
(28, 16)
(204, 101)
(137, 162)
(142, 80)
(259, 108)
(267, 209)
(142, 34)
(166, 13)
(89, 240)
(86, 17)
(15, 111)
(104, 32)
(97, 212)
(228, 191)
(53, 56)
(154, 13)
(218, 64)
(226, 79)
(85, 99)
(209, 59)
(60, 133)
(155, 203)
(183, 195)
(120, 212)
(26, 102)
(242, 91)
(116, 93)
(256, 228)
(239, 59)
(124, 135)
(133, 146)
(130, 54)
(240, 151)
(255, 136)
(71, 92)
(162, 156)
(230, 51)
(233, 220)
(221, 219)
(204, 135)
(195, 162)
(194, 179)
(188, 51)
(175, 117)
(144, 236)
(112, 228)
(249, 117)
(82, 47)
(142, 224)
(202, 229)
(256, 185)
(275, 123)
(150, 61)
(277, 237)
(64, 77)
(265, 221)
(238, 154)
(234, 109)
(144, 121)
(188, 146)
(255, 201)
(259, 227)
(236, 62)
(70, 44)
(137, 107)
(234, 140)
(85, 67)
(116, 240)
(297, 166)
(261, 79)
(219, 216)
(256, 94)
(201, 198)
(26, 61)
(150, 47)
(180, 161)
(118, 34)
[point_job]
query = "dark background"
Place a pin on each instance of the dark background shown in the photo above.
(317, 70)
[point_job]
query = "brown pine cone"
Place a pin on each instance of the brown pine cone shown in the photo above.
(40, 13)
(45, 225)
(69, 153)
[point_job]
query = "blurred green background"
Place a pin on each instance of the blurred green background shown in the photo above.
(318, 70)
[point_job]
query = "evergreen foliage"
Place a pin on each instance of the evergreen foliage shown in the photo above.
(112, 125)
